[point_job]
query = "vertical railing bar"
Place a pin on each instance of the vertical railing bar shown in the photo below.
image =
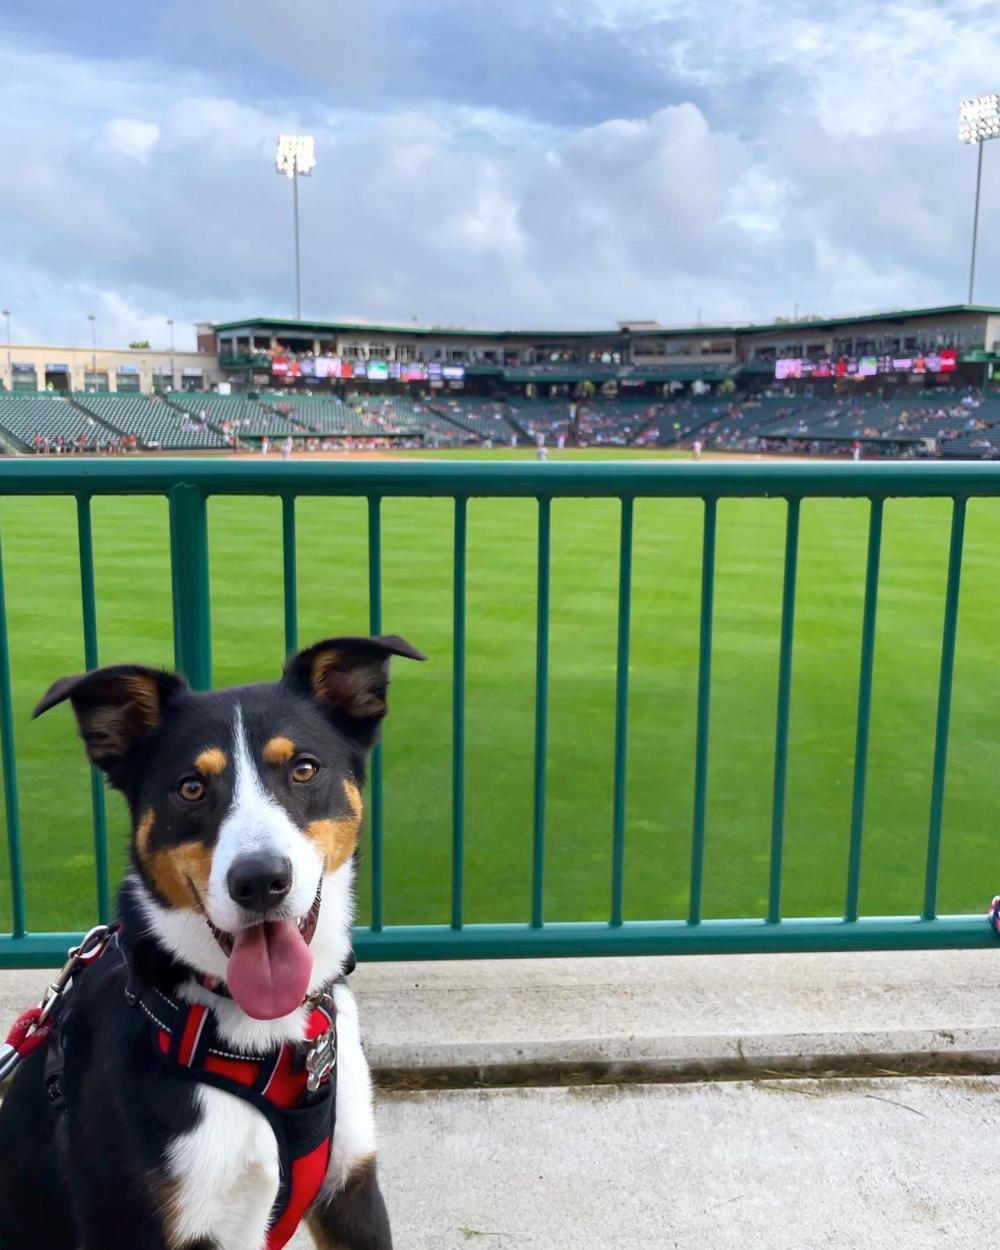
(949, 634)
(290, 568)
(541, 711)
(458, 720)
(8, 755)
(88, 599)
(704, 708)
(621, 712)
(783, 712)
(865, 679)
(190, 584)
(375, 627)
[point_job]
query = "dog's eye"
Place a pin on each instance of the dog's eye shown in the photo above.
(304, 770)
(191, 789)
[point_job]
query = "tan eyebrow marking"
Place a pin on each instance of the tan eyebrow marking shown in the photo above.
(211, 762)
(279, 750)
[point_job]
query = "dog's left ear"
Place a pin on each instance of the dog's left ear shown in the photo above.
(349, 678)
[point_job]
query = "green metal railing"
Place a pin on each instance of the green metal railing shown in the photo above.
(188, 484)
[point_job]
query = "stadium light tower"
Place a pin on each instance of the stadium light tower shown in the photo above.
(296, 158)
(978, 120)
(92, 318)
(173, 376)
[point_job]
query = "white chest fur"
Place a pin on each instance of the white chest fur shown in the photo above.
(226, 1175)
(226, 1169)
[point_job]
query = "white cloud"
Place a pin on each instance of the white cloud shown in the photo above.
(127, 136)
(813, 168)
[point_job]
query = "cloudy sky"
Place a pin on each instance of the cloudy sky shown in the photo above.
(488, 162)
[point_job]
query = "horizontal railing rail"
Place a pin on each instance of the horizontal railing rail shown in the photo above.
(188, 485)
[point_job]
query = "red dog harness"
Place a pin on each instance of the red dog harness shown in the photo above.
(293, 1087)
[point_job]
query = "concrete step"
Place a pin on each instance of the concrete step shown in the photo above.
(734, 1165)
(557, 1021)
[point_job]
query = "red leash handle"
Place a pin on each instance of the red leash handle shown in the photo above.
(24, 1037)
(33, 1027)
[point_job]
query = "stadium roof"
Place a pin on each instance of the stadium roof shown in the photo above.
(642, 328)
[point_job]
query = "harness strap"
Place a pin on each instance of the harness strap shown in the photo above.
(293, 1087)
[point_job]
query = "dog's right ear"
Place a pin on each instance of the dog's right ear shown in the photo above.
(115, 707)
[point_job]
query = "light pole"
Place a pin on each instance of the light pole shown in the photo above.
(296, 158)
(10, 367)
(978, 120)
(93, 346)
(173, 378)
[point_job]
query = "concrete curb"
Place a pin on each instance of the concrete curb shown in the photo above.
(672, 1019)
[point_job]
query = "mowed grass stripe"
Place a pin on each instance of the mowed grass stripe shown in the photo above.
(133, 587)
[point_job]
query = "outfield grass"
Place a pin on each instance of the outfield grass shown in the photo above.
(134, 617)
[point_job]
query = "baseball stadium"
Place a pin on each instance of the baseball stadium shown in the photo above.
(464, 763)
(592, 718)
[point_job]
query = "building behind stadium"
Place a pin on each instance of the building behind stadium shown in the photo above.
(950, 346)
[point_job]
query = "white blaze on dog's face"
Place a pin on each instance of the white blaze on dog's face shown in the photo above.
(246, 808)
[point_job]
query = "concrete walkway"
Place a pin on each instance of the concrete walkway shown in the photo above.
(558, 1020)
(502, 1126)
(772, 1165)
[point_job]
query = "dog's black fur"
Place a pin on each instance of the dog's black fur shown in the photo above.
(91, 1172)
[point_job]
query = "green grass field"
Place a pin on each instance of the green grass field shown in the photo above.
(133, 582)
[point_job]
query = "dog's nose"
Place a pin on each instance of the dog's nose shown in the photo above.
(259, 882)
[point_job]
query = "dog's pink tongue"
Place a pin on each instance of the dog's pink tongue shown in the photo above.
(269, 969)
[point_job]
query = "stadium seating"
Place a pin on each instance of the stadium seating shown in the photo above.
(485, 417)
(736, 424)
(155, 423)
(362, 416)
(598, 421)
(677, 419)
(944, 416)
(234, 414)
(614, 422)
(947, 422)
(25, 416)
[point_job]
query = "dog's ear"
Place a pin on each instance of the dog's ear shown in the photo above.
(349, 678)
(115, 707)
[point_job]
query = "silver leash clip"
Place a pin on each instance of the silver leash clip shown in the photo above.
(321, 1057)
(9, 1059)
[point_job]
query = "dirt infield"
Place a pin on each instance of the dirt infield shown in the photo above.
(575, 454)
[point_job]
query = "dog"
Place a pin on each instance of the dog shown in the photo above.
(205, 1087)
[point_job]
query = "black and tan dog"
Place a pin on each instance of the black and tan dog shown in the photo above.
(194, 1097)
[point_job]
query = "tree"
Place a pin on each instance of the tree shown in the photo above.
(140, 345)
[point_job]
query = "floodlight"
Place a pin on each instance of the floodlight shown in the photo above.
(296, 154)
(295, 157)
(979, 118)
(978, 121)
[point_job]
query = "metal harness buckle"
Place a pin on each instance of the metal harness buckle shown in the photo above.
(321, 1057)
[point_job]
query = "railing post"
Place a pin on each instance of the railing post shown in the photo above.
(864, 710)
(290, 570)
(189, 580)
(375, 627)
(784, 710)
(949, 634)
(88, 600)
(541, 710)
(704, 709)
(621, 712)
(458, 719)
(12, 807)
